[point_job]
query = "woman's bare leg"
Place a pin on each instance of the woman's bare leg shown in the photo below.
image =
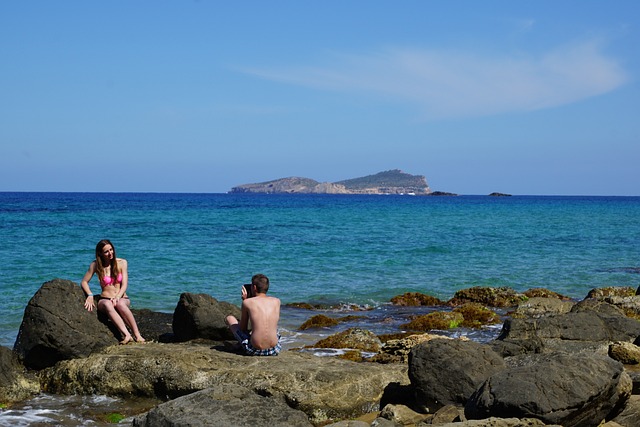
(106, 306)
(123, 308)
(232, 323)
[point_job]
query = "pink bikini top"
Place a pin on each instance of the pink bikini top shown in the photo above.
(107, 280)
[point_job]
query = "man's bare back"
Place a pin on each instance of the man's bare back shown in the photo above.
(262, 313)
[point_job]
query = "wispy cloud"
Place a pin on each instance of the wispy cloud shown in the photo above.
(447, 84)
(524, 25)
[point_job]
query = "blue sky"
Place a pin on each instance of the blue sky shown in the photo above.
(523, 97)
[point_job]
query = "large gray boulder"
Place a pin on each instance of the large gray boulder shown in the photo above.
(322, 387)
(570, 390)
(57, 327)
(15, 383)
(446, 372)
(202, 316)
(589, 327)
(224, 405)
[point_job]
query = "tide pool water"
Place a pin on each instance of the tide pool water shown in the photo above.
(316, 248)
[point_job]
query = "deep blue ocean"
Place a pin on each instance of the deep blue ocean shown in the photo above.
(321, 249)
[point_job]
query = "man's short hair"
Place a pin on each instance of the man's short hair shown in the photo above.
(261, 282)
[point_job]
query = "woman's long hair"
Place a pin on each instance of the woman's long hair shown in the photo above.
(99, 263)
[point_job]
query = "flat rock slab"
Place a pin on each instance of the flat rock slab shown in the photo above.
(322, 387)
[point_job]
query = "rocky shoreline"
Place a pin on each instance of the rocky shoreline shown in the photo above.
(555, 362)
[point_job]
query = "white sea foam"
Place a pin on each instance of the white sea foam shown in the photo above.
(26, 417)
(61, 410)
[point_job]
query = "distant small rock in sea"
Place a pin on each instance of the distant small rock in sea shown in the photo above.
(495, 194)
(442, 193)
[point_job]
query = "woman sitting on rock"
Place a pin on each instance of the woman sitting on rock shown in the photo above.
(114, 278)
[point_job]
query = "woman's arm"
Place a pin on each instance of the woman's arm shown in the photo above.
(88, 303)
(122, 264)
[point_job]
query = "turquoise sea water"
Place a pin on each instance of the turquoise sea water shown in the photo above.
(316, 248)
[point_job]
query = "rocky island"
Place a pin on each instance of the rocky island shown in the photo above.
(389, 182)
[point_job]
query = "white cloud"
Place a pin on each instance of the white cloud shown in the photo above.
(445, 84)
(524, 25)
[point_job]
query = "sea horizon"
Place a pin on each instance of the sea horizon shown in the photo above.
(451, 194)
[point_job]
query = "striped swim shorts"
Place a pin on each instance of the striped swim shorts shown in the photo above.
(245, 342)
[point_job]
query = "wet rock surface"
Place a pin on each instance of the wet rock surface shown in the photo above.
(15, 383)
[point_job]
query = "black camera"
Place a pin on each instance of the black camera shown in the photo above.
(249, 289)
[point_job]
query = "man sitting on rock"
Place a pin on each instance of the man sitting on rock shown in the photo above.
(263, 312)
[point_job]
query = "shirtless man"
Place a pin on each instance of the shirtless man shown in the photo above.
(263, 312)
